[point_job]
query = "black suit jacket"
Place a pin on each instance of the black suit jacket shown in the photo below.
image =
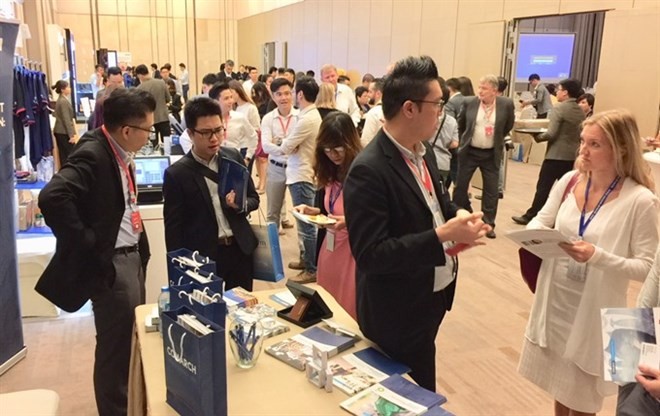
(222, 76)
(190, 220)
(504, 118)
(394, 243)
(84, 204)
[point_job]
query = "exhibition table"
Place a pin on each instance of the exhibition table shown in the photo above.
(34, 254)
(533, 152)
(270, 388)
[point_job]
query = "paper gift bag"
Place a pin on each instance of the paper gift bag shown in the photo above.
(183, 260)
(195, 367)
(182, 296)
(267, 256)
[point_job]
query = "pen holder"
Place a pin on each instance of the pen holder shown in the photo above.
(245, 342)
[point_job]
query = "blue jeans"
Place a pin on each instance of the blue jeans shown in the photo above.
(304, 193)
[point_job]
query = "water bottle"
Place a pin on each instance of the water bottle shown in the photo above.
(163, 305)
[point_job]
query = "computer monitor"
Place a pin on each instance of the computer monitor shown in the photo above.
(149, 173)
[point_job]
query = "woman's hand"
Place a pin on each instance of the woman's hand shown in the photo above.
(580, 250)
(307, 210)
(649, 378)
(340, 224)
(73, 139)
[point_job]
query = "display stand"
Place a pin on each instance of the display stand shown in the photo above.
(309, 308)
(12, 349)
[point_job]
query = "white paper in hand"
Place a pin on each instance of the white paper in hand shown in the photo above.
(542, 243)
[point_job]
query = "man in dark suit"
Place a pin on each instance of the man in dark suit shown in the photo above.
(227, 74)
(102, 250)
(400, 221)
(196, 216)
(483, 123)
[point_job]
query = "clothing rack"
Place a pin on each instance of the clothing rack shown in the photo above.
(26, 63)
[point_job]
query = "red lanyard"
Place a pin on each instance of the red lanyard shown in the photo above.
(488, 111)
(423, 175)
(131, 185)
(285, 129)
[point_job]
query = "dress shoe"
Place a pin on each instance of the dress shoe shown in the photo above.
(522, 220)
(491, 234)
(287, 224)
(297, 265)
(304, 277)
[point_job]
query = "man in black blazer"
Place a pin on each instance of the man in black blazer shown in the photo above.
(196, 216)
(102, 250)
(400, 221)
(483, 123)
(227, 74)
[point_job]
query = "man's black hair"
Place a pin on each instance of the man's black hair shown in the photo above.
(126, 105)
(278, 83)
(210, 79)
(200, 107)
(408, 81)
(309, 88)
(534, 77)
(114, 70)
(142, 70)
(572, 86)
(217, 89)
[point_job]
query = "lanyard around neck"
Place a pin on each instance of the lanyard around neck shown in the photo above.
(421, 174)
(122, 163)
(334, 196)
(285, 129)
(584, 224)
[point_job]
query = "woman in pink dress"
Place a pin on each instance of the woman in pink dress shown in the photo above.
(337, 145)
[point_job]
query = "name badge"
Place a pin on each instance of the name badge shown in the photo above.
(489, 130)
(136, 221)
(330, 241)
(576, 271)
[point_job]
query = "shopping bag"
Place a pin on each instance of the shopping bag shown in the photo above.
(183, 264)
(195, 366)
(181, 296)
(267, 257)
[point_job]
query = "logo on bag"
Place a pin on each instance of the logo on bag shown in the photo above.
(179, 358)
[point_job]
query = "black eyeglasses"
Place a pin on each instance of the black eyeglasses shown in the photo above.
(150, 130)
(438, 104)
(207, 134)
(338, 149)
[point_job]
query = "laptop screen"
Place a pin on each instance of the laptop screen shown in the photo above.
(149, 171)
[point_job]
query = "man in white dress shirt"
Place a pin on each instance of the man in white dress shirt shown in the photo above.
(239, 133)
(253, 74)
(344, 96)
(299, 146)
(374, 118)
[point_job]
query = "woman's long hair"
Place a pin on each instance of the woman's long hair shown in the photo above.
(337, 129)
(326, 96)
(620, 128)
(238, 88)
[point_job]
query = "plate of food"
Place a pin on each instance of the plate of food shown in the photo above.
(320, 219)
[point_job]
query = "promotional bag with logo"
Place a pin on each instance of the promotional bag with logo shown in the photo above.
(195, 365)
(267, 257)
(185, 267)
(201, 299)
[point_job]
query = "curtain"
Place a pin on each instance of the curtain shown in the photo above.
(586, 53)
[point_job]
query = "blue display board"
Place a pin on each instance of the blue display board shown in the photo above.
(549, 55)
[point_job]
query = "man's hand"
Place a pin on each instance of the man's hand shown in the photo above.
(231, 199)
(464, 228)
(649, 378)
(580, 251)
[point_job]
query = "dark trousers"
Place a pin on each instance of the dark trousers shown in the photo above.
(63, 146)
(234, 266)
(114, 316)
(185, 88)
(551, 171)
(633, 400)
(416, 347)
(162, 130)
(469, 160)
(541, 116)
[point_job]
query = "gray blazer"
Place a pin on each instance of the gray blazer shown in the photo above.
(563, 135)
(64, 117)
(504, 118)
(454, 104)
(542, 101)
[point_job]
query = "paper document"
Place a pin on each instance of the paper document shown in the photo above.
(542, 243)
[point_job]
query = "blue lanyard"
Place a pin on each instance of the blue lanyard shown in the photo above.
(583, 224)
(334, 196)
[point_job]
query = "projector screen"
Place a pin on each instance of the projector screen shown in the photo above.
(548, 54)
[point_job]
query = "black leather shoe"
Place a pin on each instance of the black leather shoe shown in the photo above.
(501, 195)
(491, 234)
(522, 220)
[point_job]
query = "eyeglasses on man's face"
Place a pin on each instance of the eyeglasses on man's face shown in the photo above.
(207, 134)
(438, 104)
(150, 130)
(338, 149)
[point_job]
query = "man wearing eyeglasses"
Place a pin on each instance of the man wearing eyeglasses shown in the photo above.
(197, 216)
(102, 249)
(400, 222)
(482, 124)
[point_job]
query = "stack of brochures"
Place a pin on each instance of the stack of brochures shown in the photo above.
(630, 338)
(360, 370)
(238, 298)
(395, 396)
(297, 350)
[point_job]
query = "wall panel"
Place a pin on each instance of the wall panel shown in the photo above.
(405, 18)
(296, 43)
(380, 35)
(139, 39)
(437, 40)
(525, 8)
(577, 6)
(339, 33)
(82, 34)
(359, 22)
(324, 37)
(108, 32)
(310, 36)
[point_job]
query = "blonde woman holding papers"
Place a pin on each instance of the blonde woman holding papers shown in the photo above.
(612, 215)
